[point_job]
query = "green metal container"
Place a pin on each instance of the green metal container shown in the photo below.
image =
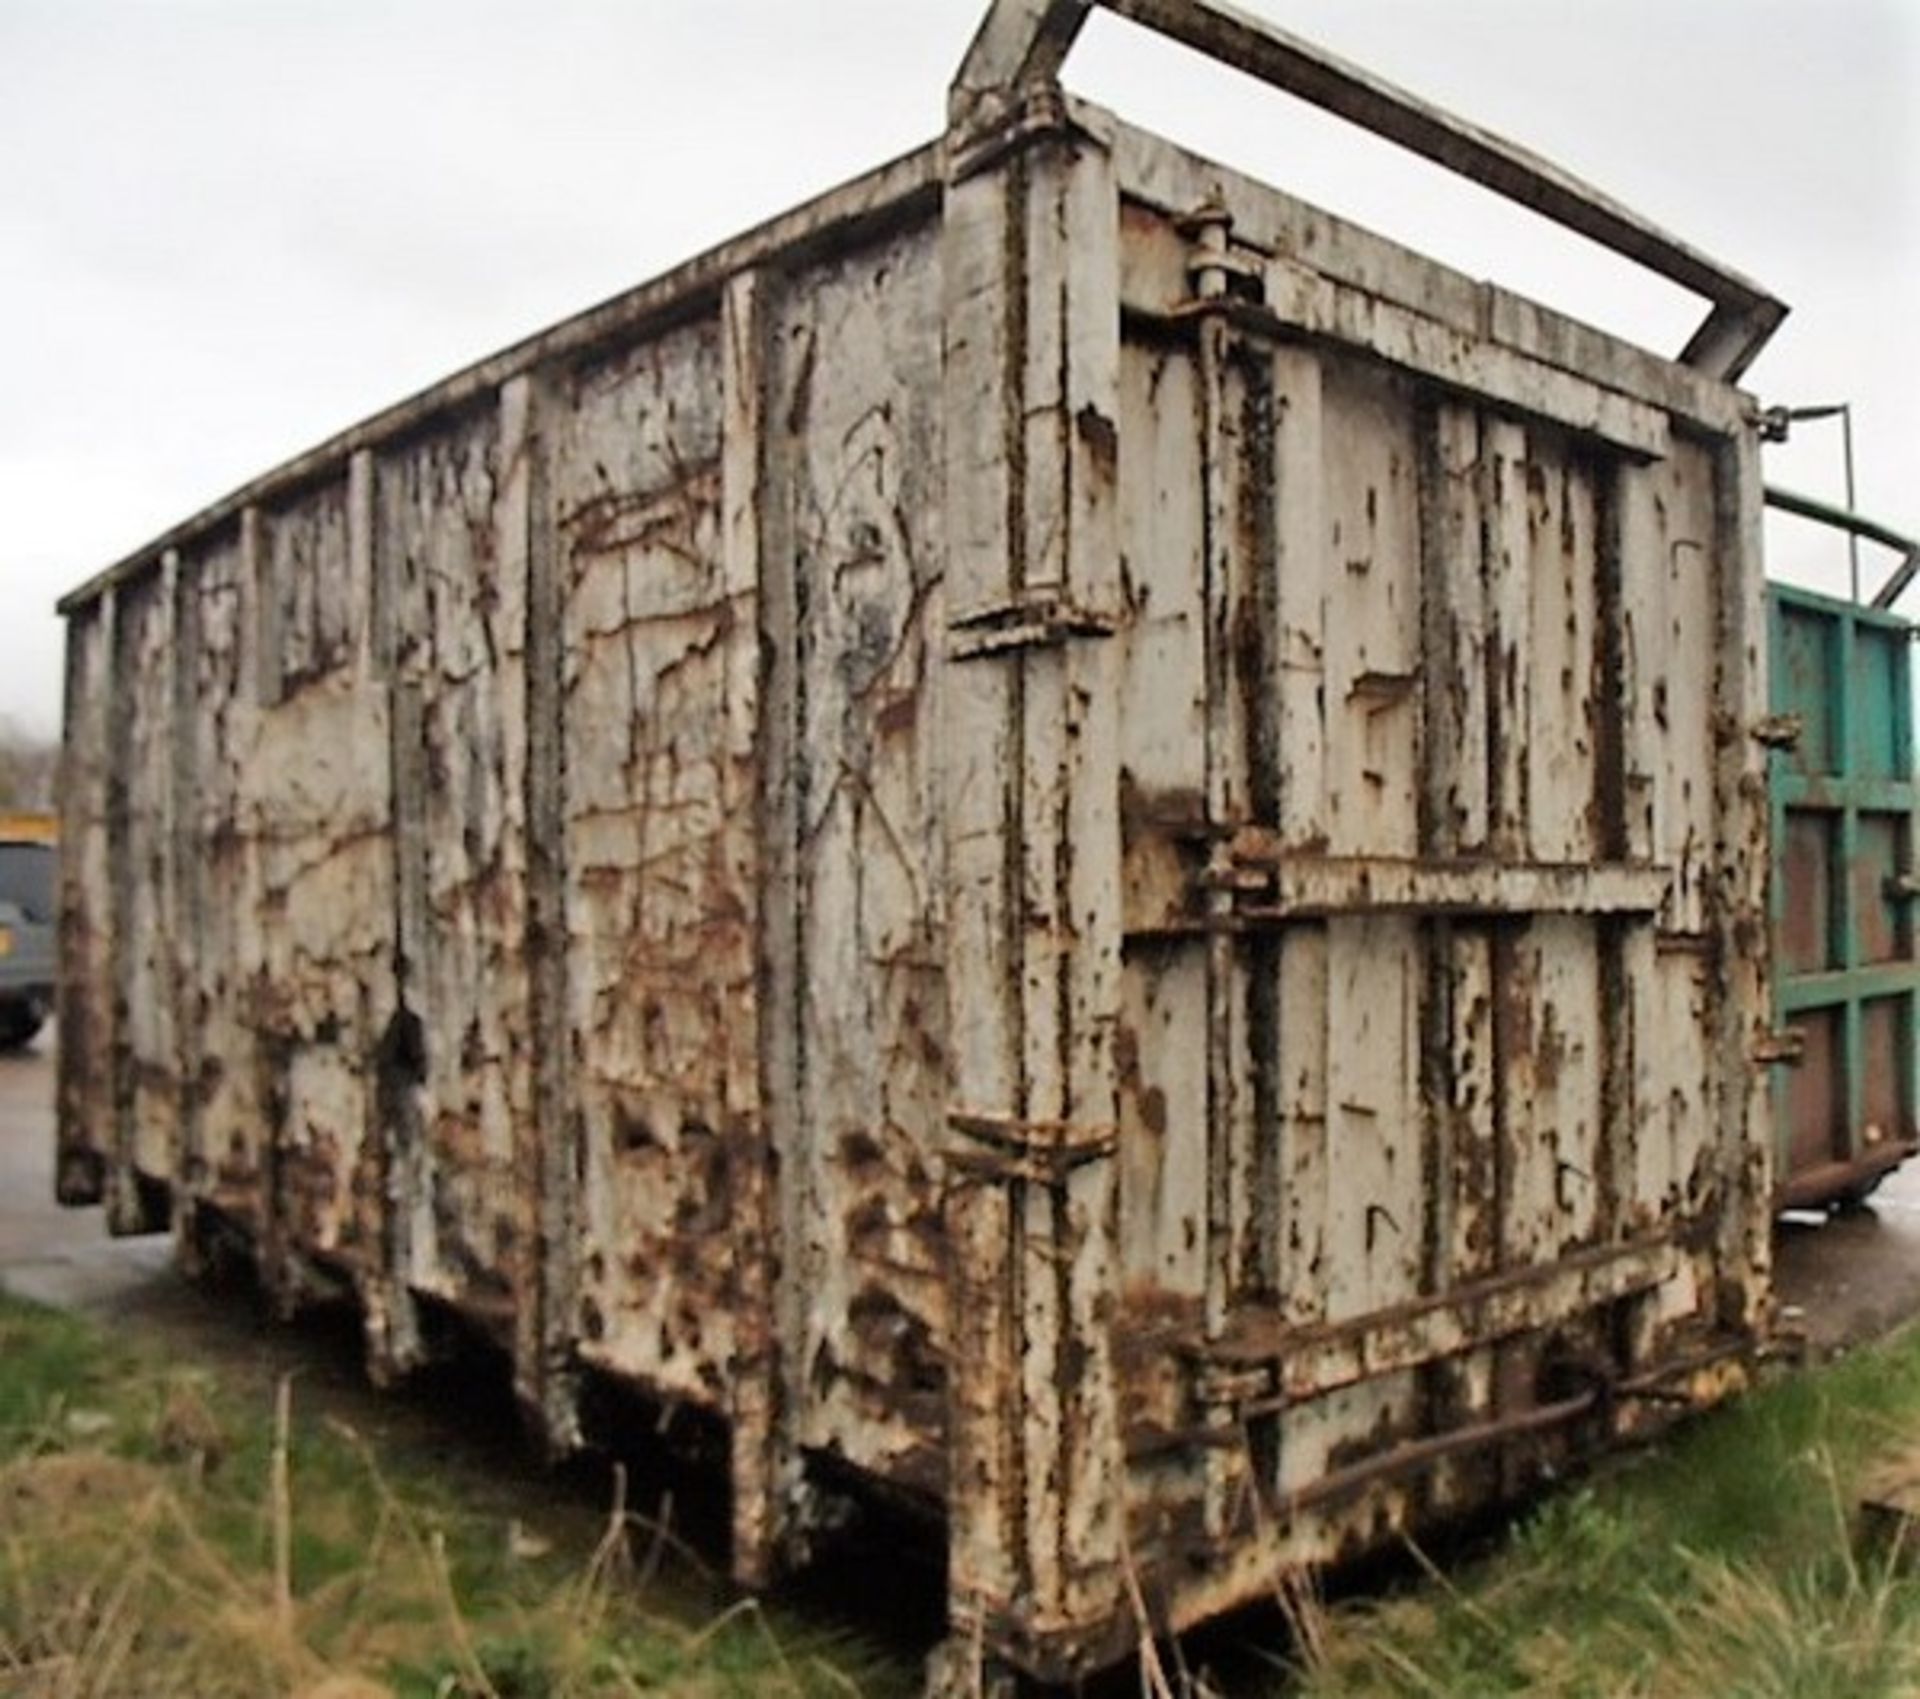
(1846, 981)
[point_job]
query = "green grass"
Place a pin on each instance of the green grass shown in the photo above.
(145, 1548)
(141, 1542)
(1723, 1564)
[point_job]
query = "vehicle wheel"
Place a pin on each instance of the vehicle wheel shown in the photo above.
(1854, 1198)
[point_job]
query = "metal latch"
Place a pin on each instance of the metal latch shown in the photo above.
(1787, 1045)
(1780, 731)
(1902, 887)
(1242, 859)
(1034, 619)
(1014, 1149)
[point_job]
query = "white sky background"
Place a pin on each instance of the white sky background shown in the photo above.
(229, 228)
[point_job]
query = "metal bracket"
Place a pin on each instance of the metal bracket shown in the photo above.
(1011, 1148)
(1779, 731)
(1378, 692)
(1231, 1387)
(1786, 1046)
(1218, 274)
(1036, 113)
(1902, 887)
(1035, 619)
(1279, 884)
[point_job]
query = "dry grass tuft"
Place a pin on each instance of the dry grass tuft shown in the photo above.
(193, 1546)
(1726, 1563)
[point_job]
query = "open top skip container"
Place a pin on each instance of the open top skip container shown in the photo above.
(1846, 822)
(1080, 845)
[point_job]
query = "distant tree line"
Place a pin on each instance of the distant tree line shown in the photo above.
(28, 766)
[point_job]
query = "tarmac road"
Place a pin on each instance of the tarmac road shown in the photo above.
(1847, 1278)
(1840, 1280)
(56, 1256)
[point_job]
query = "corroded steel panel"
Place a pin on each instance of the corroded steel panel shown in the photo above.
(1886, 1069)
(659, 920)
(1880, 862)
(222, 1156)
(855, 479)
(1815, 1107)
(85, 1118)
(314, 797)
(446, 1034)
(1457, 637)
(1808, 940)
(144, 1085)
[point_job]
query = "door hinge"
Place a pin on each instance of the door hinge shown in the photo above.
(1780, 731)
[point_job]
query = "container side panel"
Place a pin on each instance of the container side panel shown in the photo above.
(1742, 1144)
(1815, 1099)
(1879, 712)
(1163, 1086)
(222, 1115)
(1555, 1046)
(316, 791)
(1366, 1219)
(451, 640)
(1665, 782)
(86, 1005)
(1886, 1070)
(1371, 1231)
(1553, 1112)
(145, 1062)
(1679, 628)
(1561, 568)
(659, 926)
(1808, 939)
(1164, 1189)
(1880, 863)
(1671, 572)
(1310, 575)
(856, 470)
(1370, 455)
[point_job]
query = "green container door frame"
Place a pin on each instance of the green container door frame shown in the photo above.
(1847, 982)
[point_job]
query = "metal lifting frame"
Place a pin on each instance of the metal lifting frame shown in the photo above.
(1857, 525)
(1023, 44)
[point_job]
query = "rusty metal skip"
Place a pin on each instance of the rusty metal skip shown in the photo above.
(1084, 848)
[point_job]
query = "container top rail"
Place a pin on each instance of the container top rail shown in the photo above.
(1856, 525)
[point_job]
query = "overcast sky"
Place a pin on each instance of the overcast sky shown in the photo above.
(229, 228)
